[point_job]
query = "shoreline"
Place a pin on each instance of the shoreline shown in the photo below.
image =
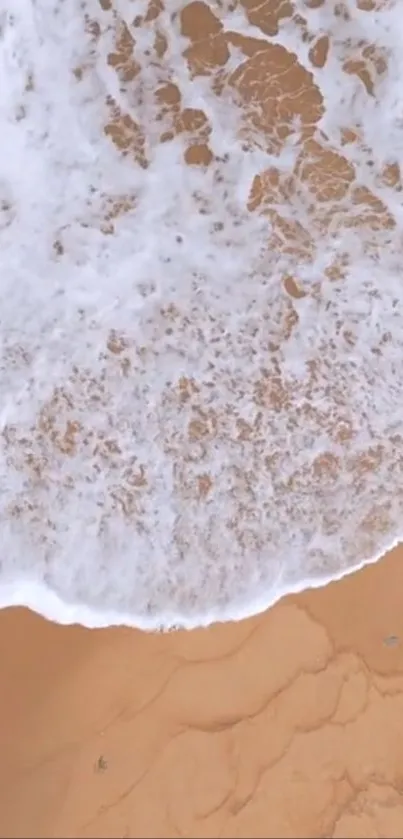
(54, 609)
(219, 731)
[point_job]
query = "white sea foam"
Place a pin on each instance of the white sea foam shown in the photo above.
(201, 393)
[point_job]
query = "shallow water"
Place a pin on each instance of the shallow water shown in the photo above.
(201, 238)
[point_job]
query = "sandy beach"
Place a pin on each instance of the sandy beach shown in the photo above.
(182, 458)
(288, 724)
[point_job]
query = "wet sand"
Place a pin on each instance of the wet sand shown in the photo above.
(289, 724)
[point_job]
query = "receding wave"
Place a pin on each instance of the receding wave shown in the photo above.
(201, 302)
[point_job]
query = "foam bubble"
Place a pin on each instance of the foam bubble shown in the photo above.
(201, 328)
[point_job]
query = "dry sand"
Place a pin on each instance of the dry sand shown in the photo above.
(289, 724)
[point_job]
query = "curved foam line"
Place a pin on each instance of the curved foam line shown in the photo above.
(41, 599)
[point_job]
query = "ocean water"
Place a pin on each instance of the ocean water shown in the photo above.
(201, 319)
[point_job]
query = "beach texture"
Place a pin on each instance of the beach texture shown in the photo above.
(201, 376)
(285, 725)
